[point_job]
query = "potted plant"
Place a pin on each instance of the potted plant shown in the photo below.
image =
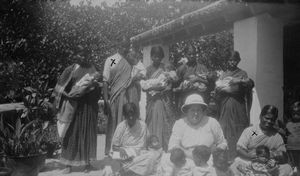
(23, 143)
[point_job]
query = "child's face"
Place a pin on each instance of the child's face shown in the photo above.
(154, 143)
(296, 111)
(263, 157)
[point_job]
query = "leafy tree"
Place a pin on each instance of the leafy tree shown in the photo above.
(38, 38)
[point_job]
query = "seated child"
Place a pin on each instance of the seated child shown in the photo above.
(175, 163)
(201, 155)
(160, 81)
(188, 85)
(262, 164)
(221, 165)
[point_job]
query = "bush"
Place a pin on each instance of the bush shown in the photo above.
(38, 38)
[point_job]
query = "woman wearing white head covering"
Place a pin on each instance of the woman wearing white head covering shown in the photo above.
(196, 128)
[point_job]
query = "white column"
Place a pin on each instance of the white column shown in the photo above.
(259, 40)
(147, 61)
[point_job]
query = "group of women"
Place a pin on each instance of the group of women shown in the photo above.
(127, 134)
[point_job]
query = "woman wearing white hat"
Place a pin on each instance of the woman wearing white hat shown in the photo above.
(196, 128)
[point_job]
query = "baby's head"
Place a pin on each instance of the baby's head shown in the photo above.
(177, 157)
(201, 155)
(262, 153)
(153, 142)
(169, 67)
(96, 76)
(220, 159)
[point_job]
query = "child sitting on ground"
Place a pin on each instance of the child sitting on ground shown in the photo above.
(221, 165)
(175, 163)
(201, 155)
(161, 81)
(262, 165)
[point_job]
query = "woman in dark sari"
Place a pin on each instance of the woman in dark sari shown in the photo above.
(194, 72)
(159, 109)
(234, 102)
(76, 95)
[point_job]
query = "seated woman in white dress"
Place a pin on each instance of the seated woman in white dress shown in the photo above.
(196, 128)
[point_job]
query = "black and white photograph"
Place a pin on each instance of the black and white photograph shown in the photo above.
(149, 88)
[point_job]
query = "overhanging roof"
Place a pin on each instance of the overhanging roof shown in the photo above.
(215, 17)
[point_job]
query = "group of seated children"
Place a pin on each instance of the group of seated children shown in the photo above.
(175, 162)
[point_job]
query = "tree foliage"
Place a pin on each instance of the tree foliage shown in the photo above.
(38, 37)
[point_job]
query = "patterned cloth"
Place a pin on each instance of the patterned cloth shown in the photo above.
(253, 137)
(117, 73)
(131, 138)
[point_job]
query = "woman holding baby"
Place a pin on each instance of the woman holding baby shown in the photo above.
(193, 78)
(76, 96)
(159, 109)
(234, 90)
(263, 136)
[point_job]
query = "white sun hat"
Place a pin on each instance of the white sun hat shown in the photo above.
(193, 99)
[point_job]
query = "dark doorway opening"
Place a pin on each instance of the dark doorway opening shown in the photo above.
(291, 62)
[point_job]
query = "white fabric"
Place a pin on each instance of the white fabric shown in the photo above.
(62, 128)
(138, 68)
(187, 136)
(110, 63)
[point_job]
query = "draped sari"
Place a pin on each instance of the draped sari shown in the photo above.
(119, 80)
(80, 140)
(159, 109)
(234, 110)
(251, 138)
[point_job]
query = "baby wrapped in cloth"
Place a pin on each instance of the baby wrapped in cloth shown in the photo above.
(69, 106)
(160, 81)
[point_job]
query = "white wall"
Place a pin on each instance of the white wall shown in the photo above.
(259, 40)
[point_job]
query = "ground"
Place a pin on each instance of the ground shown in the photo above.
(54, 168)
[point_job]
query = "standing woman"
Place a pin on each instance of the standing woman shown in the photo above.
(116, 80)
(76, 95)
(234, 102)
(159, 109)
